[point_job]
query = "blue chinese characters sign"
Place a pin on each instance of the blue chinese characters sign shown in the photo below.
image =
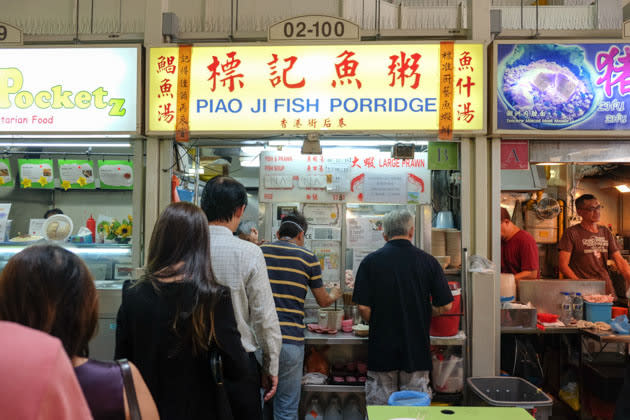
(576, 87)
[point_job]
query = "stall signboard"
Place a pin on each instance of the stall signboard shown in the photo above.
(69, 90)
(336, 88)
(371, 177)
(577, 88)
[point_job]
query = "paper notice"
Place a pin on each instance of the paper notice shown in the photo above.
(338, 174)
(329, 255)
(322, 214)
(365, 230)
(385, 188)
(35, 227)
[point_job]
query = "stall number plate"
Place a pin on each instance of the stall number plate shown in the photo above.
(314, 27)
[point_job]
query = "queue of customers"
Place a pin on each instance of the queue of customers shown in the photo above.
(205, 292)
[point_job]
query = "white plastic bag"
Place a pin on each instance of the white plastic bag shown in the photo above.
(479, 264)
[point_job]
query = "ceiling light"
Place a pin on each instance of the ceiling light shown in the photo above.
(623, 188)
(57, 144)
(65, 136)
(550, 163)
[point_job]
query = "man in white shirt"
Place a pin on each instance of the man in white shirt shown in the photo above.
(240, 265)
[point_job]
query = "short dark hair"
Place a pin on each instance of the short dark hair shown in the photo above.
(51, 212)
(579, 203)
(50, 289)
(221, 197)
(181, 235)
(292, 224)
(505, 214)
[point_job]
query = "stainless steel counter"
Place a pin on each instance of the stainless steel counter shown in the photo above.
(349, 338)
(548, 330)
(545, 294)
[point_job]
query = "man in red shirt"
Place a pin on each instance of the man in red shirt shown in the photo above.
(519, 252)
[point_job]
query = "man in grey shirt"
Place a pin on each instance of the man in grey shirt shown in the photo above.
(240, 265)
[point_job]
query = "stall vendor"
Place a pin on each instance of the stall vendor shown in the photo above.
(586, 247)
(519, 252)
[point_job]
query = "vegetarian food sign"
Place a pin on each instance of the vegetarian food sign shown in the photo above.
(69, 90)
(341, 88)
(570, 87)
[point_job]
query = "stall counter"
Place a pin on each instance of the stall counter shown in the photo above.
(385, 412)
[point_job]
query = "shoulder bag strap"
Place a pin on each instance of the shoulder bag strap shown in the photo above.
(130, 390)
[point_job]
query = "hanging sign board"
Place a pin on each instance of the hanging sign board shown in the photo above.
(314, 27)
(115, 174)
(514, 154)
(69, 90)
(576, 88)
(76, 174)
(334, 88)
(372, 176)
(6, 179)
(36, 173)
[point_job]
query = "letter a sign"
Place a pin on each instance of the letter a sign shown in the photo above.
(514, 154)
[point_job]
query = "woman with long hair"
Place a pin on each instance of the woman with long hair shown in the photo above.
(50, 289)
(168, 319)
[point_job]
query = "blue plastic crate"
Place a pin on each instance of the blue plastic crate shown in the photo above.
(595, 312)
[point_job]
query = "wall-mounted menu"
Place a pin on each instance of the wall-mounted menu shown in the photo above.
(36, 173)
(6, 179)
(116, 174)
(76, 174)
(350, 176)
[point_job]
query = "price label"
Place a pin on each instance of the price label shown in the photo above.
(10, 35)
(314, 27)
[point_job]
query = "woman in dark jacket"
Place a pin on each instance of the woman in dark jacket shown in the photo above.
(167, 318)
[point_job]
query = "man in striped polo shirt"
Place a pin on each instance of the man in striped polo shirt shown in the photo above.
(292, 270)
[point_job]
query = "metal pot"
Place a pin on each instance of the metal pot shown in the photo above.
(331, 317)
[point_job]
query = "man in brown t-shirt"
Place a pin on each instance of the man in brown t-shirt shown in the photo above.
(586, 247)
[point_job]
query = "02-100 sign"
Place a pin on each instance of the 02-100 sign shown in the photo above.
(317, 29)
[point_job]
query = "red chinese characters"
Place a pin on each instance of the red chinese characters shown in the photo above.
(166, 113)
(226, 73)
(165, 64)
(346, 70)
(276, 79)
(165, 88)
(464, 86)
(607, 61)
(402, 68)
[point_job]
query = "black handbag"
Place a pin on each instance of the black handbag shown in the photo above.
(223, 407)
(130, 390)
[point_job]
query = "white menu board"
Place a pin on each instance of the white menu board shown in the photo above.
(346, 176)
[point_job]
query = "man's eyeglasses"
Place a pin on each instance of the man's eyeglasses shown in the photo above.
(592, 209)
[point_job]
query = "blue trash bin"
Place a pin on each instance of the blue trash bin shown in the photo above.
(409, 398)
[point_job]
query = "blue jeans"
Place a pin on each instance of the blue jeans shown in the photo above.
(287, 399)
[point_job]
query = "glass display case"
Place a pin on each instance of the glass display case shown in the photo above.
(111, 265)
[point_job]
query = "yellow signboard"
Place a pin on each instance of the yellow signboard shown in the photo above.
(336, 88)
